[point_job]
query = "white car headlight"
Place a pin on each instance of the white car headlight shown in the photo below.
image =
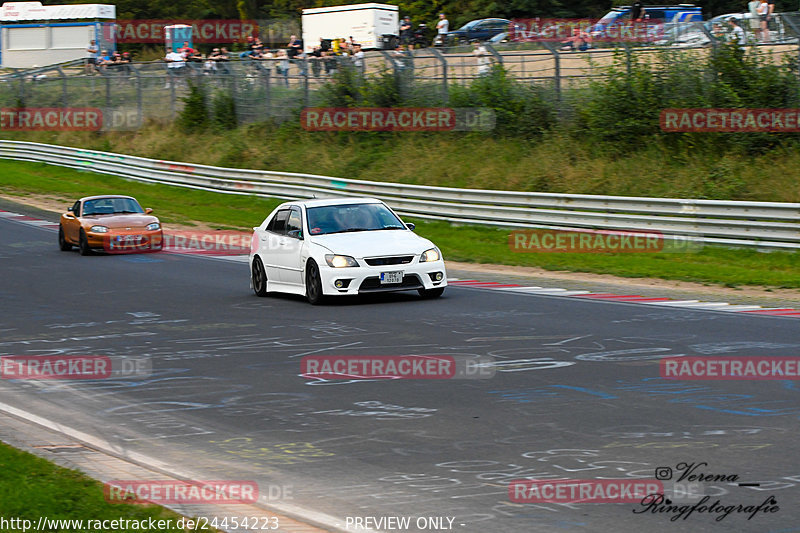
(429, 255)
(152, 227)
(98, 229)
(340, 261)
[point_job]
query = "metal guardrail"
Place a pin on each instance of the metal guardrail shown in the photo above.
(759, 224)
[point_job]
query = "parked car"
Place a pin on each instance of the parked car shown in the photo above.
(343, 246)
(661, 18)
(692, 35)
(481, 29)
(500, 38)
(111, 223)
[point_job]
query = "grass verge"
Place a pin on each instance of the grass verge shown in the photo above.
(713, 264)
(31, 487)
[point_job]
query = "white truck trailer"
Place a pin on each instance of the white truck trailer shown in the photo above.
(367, 24)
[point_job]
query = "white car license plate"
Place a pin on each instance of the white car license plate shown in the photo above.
(391, 277)
(129, 238)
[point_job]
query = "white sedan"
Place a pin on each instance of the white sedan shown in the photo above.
(320, 248)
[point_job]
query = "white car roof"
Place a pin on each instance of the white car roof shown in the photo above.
(334, 201)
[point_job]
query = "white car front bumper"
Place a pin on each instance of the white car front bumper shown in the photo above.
(366, 279)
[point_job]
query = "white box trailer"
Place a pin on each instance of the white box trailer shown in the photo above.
(366, 23)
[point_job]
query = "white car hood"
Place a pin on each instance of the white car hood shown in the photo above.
(374, 243)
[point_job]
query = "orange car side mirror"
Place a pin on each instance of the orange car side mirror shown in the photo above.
(147, 210)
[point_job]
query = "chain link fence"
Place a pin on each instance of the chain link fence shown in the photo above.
(275, 89)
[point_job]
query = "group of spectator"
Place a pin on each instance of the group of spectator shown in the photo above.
(411, 37)
(103, 62)
(213, 63)
(329, 53)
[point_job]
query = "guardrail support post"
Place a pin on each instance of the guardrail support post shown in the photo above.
(556, 73)
(64, 93)
(443, 60)
(494, 52)
(796, 31)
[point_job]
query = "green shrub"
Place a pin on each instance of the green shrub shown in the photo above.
(223, 111)
(193, 118)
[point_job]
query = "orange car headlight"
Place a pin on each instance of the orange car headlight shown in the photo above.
(98, 229)
(152, 227)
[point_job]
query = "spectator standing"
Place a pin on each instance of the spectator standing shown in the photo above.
(176, 66)
(400, 58)
(300, 61)
(580, 40)
(315, 58)
(763, 16)
(770, 15)
(331, 62)
(755, 21)
(186, 50)
(481, 56)
(282, 66)
(358, 59)
(103, 61)
(294, 47)
(637, 11)
(442, 27)
(91, 57)
(406, 32)
(210, 66)
(737, 33)
(125, 63)
(222, 61)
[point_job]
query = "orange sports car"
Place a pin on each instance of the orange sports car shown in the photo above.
(110, 223)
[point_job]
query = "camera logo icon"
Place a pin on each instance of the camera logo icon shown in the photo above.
(663, 473)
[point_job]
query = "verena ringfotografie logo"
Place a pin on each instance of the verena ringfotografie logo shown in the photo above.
(397, 119)
(731, 120)
(600, 241)
(355, 367)
(203, 31)
(73, 367)
(583, 490)
(730, 368)
(181, 492)
(51, 119)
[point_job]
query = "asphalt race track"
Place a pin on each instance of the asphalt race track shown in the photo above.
(576, 392)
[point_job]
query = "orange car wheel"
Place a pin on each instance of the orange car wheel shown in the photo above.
(62, 242)
(84, 244)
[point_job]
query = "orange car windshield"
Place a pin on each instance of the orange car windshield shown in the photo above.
(111, 206)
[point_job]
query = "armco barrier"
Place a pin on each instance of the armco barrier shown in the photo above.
(760, 224)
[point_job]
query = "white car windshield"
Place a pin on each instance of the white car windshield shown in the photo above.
(351, 217)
